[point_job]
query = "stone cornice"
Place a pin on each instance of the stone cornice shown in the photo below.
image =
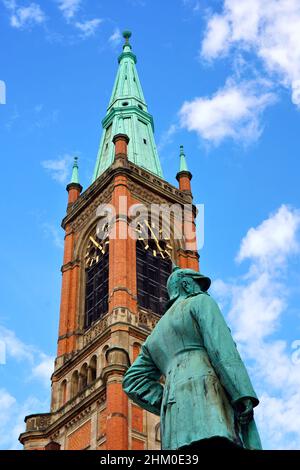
(136, 174)
(139, 325)
(59, 418)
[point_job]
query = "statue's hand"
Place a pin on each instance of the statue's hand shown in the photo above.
(244, 411)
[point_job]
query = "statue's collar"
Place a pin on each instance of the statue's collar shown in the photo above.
(178, 299)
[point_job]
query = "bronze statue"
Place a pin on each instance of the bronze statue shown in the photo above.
(207, 399)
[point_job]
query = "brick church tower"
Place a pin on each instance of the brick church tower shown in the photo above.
(117, 259)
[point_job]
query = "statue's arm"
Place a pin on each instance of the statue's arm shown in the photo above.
(222, 351)
(141, 382)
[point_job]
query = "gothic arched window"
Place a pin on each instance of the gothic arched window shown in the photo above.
(153, 271)
(63, 393)
(92, 372)
(74, 383)
(83, 376)
(96, 278)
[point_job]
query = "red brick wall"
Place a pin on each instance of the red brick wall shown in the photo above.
(184, 183)
(136, 350)
(68, 307)
(80, 439)
(137, 444)
(121, 272)
(137, 418)
(102, 416)
(117, 417)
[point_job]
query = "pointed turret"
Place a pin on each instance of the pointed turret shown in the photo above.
(127, 113)
(74, 188)
(183, 163)
(184, 176)
(75, 175)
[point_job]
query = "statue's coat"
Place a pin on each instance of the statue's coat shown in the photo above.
(191, 346)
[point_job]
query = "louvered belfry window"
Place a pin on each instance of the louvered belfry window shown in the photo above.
(152, 275)
(96, 294)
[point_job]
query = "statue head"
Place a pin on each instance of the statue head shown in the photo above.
(184, 282)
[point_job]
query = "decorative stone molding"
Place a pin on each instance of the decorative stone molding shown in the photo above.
(80, 417)
(95, 331)
(55, 435)
(70, 265)
(39, 422)
(118, 356)
(147, 319)
(118, 362)
(124, 289)
(155, 183)
(119, 314)
(102, 400)
(86, 214)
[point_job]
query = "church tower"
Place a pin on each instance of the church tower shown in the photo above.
(118, 254)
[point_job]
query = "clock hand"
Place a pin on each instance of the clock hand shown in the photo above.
(155, 238)
(96, 244)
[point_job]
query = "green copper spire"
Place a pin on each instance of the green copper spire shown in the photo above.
(75, 175)
(127, 113)
(183, 163)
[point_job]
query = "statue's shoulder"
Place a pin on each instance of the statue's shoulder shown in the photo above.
(197, 299)
(203, 300)
(199, 296)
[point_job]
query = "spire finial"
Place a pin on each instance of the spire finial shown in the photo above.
(127, 47)
(126, 36)
(75, 175)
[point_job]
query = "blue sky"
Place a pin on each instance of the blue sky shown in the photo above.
(220, 77)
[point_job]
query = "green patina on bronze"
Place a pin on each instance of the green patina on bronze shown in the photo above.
(183, 164)
(75, 173)
(128, 113)
(207, 391)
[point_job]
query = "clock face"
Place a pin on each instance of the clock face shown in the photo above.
(154, 239)
(96, 248)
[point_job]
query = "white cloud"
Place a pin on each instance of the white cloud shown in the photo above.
(195, 5)
(2, 92)
(256, 304)
(167, 136)
(269, 28)
(69, 7)
(8, 419)
(15, 348)
(59, 169)
(256, 307)
(9, 4)
(232, 112)
(281, 420)
(40, 364)
(44, 369)
(116, 37)
(56, 236)
(38, 108)
(274, 239)
(38, 367)
(12, 417)
(217, 37)
(22, 17)
(6, 402)
(88, 28)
